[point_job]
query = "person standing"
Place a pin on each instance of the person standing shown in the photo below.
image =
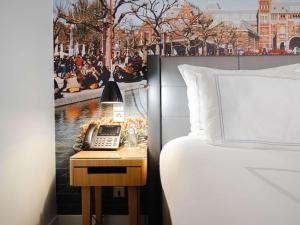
(56, 65)
(62, 67)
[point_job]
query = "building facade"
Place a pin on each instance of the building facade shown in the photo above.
(245, 21)
(274, 25)
(279, 25)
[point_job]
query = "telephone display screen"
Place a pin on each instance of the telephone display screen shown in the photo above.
(109, 130)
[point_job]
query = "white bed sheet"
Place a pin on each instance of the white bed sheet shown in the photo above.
(210, 185)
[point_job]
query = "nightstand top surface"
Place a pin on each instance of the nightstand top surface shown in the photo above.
(139, 152)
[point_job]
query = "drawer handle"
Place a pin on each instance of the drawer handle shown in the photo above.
(107, 170)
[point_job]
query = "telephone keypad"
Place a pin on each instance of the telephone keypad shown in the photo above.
(105, 142)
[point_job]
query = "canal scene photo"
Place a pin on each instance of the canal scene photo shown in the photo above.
(97, 41)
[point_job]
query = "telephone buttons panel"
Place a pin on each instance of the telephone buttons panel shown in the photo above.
(105, 142)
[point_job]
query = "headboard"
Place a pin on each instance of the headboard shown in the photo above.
(168, 113)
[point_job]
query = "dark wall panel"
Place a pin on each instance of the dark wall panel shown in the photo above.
(154, 121)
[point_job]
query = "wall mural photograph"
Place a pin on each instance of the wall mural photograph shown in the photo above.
(100, 40)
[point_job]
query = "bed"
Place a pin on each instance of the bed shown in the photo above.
(210, 185)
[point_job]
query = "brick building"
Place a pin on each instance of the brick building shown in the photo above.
(244, 20)
(274, 25)
(279, 25)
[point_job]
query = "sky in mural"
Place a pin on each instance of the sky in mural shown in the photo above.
(225, 4)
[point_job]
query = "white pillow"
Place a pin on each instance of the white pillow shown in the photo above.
(189, 72)
(253, 110)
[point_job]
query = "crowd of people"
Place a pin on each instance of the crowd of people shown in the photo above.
(83, 72)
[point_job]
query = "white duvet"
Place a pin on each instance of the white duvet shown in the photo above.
(210, 185)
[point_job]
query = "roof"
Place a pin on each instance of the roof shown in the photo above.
(245, 26)
(215, 10)
(281, 6)
(176, 10)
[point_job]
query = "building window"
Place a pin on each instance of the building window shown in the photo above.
(266, 19)
(146, 37)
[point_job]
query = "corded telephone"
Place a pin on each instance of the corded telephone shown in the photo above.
(106, 137)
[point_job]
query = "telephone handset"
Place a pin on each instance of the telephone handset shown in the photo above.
(106, 137)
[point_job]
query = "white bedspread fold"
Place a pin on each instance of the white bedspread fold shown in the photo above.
(210, 185)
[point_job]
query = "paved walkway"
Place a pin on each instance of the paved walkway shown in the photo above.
(70, 98)
(84, 95)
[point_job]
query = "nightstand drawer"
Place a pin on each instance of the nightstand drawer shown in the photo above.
(107, 176)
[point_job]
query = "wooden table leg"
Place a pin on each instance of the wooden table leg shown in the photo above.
(98, 205)
(86, 205)
(134, 205)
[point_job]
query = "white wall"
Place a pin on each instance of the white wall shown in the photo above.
(27, 144)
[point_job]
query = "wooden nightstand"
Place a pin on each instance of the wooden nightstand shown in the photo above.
(124, 167)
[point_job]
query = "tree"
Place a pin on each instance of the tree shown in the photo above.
(205, 29)
(93, 14)
(154, 13)
(87, 19)
(133, 40)
(232, 38)
(88, 14)
(220, 36)
(185, 27)
(91, 19)
(58, 29)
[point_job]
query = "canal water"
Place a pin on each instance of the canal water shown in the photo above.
(67, 127)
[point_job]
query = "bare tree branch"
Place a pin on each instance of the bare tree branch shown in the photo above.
(185, 28)
(232, 37)
(84, 13)
(205, 29)
(154, 13)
